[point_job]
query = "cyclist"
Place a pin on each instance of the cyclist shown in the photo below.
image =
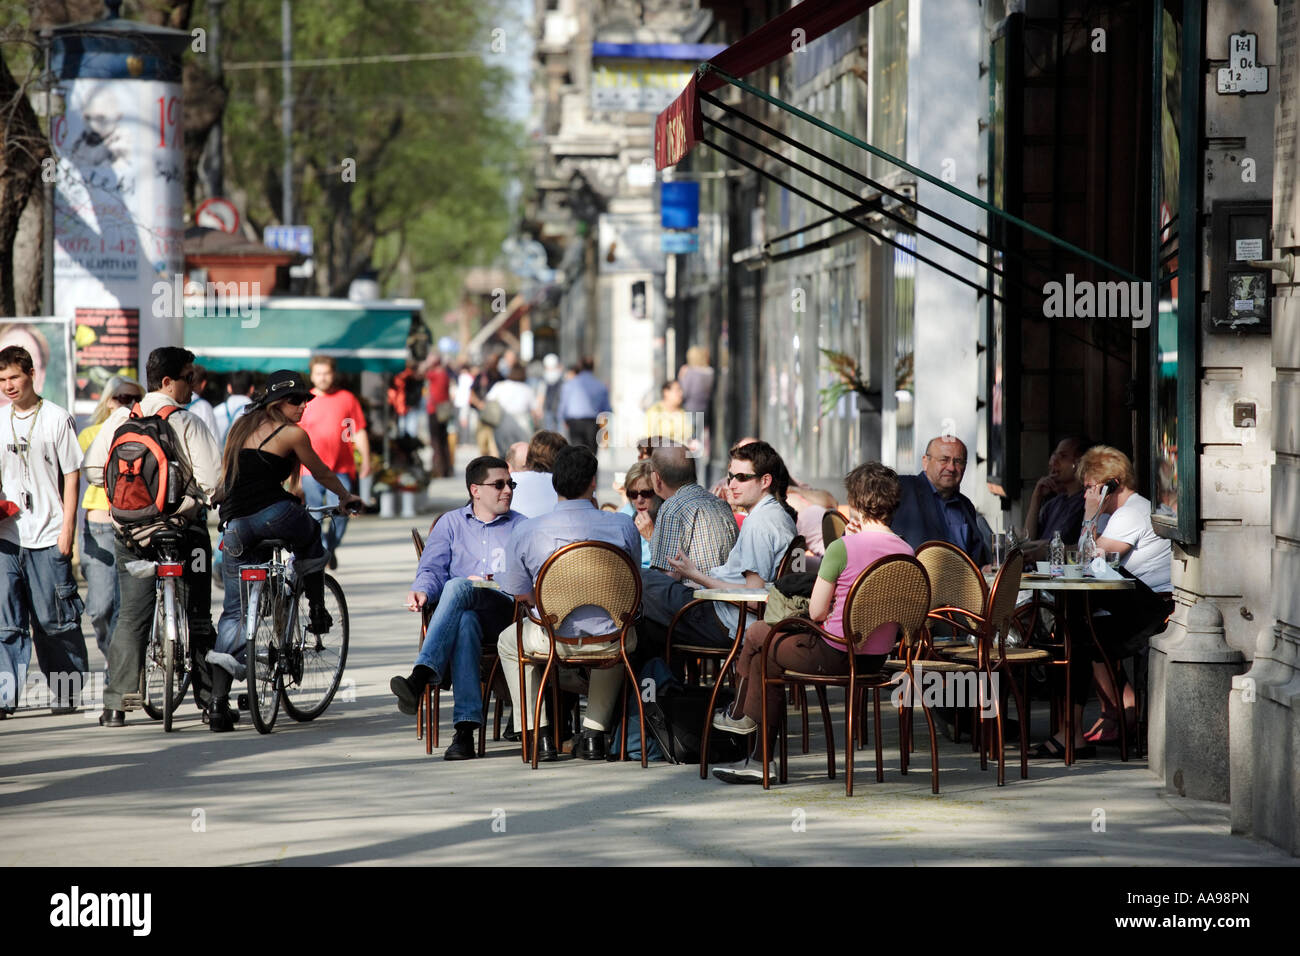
(263, 449)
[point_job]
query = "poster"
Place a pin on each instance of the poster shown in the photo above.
(49, 342)
(108, 344)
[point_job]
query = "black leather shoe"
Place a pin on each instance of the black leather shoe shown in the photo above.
(232, 715)
(219, 716)
(593, 745)
(112, 718)
(465, 744)
(546, 751)
(406, 695)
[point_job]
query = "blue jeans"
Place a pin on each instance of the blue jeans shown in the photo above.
(454, 639)
(287, 520)
(99, 568)
(317, 496)
(40, 594)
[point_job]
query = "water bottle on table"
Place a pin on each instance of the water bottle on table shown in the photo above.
(1056, 553)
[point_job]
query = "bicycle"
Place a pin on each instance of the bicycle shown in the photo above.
(287, 662)
(166, 673)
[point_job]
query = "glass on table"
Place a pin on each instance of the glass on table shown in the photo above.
(1113, 558)
(1000, 549)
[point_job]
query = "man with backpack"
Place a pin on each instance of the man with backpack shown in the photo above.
(160, 466)
(39, 483)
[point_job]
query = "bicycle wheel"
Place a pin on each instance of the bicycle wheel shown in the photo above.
(265, 675)
(153, 679)
(175, 660)
(314, 664)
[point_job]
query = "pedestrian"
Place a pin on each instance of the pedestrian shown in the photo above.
(440, 409)
(39, 473)
(549, 400)
(516, 399)
(200, 406)
(335, 422)
(584, 400)
(239, 392)
(98, 561)
(169, 373)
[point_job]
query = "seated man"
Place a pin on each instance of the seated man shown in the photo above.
(575, 518)
(758, 481)
(1057, 500)
(465, 545)
(932, 506)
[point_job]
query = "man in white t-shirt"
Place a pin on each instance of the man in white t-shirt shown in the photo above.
(239, 392)
(199, 406)
(39, 475)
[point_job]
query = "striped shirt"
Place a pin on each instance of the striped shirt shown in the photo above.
(698, 524)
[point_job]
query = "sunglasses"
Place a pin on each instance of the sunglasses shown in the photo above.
(640, 494)
(739, 476)
(498, 484)
(126, 398)
(296, 400)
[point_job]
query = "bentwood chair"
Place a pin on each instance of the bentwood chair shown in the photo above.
(427, 708)
(892, 590)
(992, 656)
(791, 560)
(584, 573)
(833, 525)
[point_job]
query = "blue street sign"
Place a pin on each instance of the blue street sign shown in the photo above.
(679, 205)
(289, 238)
(679, 242)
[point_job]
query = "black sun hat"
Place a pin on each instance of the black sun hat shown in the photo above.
(281, 385)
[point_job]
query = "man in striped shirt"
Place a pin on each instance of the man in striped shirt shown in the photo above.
(691, 521)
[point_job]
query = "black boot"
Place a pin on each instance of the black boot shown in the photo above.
(220, 717)
(409, 689)
(464, 746)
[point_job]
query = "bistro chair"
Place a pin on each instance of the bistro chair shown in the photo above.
(991, 655)
(723, 656)
(892, 590)
(583, 573)
(833, 525)
(427, 708)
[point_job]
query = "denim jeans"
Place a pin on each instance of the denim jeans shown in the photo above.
(99, 568)
(287, 520)
(317, 496)
(454, 640)
(40, 594)
(135, 615)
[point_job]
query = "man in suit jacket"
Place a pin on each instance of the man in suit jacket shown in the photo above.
(934, 509)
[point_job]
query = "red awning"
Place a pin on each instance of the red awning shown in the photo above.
(679, 127)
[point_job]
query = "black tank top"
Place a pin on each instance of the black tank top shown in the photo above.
(259, 483)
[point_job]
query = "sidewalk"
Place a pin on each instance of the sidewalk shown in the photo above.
(355, 786)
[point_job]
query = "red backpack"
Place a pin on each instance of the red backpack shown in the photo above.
(143, 474)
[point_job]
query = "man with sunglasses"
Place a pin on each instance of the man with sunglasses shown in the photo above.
(757, 481)
(464, 546)
(169, 374)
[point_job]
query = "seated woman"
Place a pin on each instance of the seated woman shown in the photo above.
(642, 504)
(874, 495)
(1124, 523)
(263, 448)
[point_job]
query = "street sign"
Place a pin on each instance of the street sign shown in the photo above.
(217, 213)
(289, 238)
(1242, 74)
(679, 242)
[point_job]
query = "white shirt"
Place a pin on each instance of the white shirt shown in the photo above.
(49, 440)
(515, 398)
(201, 408)
(1149, 559)
(226, 413)
(535, 494)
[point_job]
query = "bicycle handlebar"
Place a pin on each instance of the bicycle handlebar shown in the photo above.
(333, 510)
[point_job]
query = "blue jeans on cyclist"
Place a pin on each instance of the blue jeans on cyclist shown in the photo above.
(241, 546)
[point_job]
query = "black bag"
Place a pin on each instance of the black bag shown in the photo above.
(684, 714)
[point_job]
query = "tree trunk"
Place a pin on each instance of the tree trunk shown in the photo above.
(23, 147)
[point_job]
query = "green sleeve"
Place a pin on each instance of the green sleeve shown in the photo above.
(834, 561)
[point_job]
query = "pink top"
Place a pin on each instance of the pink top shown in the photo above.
(845, 559)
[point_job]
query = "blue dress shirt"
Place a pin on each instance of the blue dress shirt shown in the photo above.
(460, 545)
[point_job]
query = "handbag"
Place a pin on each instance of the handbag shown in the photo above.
(491, 414)
(781, 605)
(443, 412)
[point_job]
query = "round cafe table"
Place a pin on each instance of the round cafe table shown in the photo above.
(1076, 590)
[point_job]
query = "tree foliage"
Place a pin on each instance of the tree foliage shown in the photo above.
(428, 143)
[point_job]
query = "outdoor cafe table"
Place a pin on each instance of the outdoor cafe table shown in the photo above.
(739, 597)
(1075, 590)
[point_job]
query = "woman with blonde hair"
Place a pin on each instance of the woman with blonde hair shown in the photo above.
(642, 505)
(1122, 521)
(98, 564)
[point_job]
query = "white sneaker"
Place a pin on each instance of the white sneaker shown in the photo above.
(744, 771)
(722, 720)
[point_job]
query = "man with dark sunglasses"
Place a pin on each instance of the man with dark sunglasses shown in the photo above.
(465, 546)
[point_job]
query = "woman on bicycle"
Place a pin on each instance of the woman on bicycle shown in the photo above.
(264, 447)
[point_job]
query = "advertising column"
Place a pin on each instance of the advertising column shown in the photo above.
(119, 203)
